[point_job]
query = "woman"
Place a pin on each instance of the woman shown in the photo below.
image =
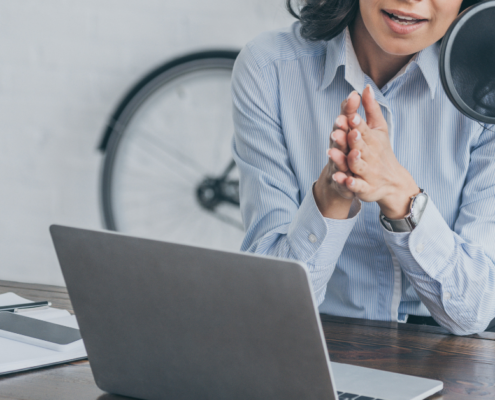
(396, 221)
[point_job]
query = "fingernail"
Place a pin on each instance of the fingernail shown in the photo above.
(333, 137)
(356, 120)
(333, 177)
(372, 92)
(358, 157)
(358, 136)
(348, 97)
(328, 154)
(353, 182)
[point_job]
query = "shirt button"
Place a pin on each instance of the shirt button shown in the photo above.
(447, 296)
(420, 248)
(312, 238)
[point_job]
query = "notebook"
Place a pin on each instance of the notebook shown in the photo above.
(17, 356)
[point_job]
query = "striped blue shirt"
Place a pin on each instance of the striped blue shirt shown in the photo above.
(287, 94)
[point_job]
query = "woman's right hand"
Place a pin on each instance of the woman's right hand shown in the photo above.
(333, 199)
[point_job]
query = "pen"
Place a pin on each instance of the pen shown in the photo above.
(15, 307)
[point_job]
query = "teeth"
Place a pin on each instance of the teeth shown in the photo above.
(403, 20)
(402, 17)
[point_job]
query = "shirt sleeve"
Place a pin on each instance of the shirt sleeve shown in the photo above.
(278, 221)
(453, 271)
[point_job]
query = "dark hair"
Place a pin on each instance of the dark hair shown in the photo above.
(325, 19)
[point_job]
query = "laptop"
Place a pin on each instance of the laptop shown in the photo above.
(164, 320)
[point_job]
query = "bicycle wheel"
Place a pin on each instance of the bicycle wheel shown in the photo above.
(168, 172)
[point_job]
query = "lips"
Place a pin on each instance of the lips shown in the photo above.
(404, 14)
(403, 23)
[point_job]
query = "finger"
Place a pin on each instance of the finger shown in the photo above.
(356, 185)
(340, 178)
(374, 115)
(339, 141)
(352, 104)
(342, 105)
(356, 122)
(355, 141)
(341, 123)
(339, 159)
(356, 163)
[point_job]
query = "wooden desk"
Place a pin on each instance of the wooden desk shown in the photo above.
(466, 365)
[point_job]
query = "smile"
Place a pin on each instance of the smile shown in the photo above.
(402, 24)
(403, 20)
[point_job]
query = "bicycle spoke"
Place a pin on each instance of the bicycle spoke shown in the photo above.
(170, 222)
(139, 171)
(228, 220)
(139, 203)
(134, 205)
(175, 170)
(139, 181)
(185, 225)
(176, 153)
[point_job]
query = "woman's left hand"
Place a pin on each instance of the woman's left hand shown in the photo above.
(378, 175)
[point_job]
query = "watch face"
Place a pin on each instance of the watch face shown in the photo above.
(418, 207)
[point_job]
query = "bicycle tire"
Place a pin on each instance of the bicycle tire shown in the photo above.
(130, 104)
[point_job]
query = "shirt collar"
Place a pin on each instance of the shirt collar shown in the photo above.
(340, 51)
(427, 61)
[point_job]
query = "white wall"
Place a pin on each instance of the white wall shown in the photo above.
(64, 64)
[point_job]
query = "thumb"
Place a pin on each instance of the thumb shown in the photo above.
(374, 116)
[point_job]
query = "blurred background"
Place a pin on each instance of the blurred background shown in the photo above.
(65, 65)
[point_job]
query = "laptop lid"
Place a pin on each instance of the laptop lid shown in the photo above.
(167, 320)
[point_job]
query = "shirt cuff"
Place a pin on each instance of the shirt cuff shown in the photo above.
(310, 232)
(428, 248)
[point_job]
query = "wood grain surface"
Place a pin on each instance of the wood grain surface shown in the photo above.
(466, 365)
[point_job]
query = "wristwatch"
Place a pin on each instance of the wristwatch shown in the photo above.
(411, 220)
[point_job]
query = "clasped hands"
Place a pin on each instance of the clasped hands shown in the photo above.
(362, 163)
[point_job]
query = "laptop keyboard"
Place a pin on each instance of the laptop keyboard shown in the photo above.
(350, 396)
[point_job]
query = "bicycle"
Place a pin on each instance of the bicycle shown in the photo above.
(162, 176)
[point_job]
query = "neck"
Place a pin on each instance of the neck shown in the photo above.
(380, 66)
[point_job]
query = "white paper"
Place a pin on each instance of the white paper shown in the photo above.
(16, 356)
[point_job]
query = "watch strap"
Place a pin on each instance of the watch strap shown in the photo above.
(396, 225)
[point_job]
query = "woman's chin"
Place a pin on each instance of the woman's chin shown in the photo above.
(398, 47)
